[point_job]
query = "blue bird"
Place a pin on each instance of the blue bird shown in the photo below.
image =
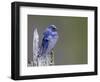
(50, 37)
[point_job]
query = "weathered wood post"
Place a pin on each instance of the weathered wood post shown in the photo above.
(48, 60)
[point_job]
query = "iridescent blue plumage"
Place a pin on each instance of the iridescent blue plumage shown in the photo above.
(50, 37)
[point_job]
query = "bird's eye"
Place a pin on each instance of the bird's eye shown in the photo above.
(54, 29)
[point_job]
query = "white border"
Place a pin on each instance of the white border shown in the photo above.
(24, 70)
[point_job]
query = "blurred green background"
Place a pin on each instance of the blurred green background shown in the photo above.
(71, 47)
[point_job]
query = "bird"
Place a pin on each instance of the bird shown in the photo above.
(50, 38)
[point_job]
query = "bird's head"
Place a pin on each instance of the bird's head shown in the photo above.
(52, 27)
